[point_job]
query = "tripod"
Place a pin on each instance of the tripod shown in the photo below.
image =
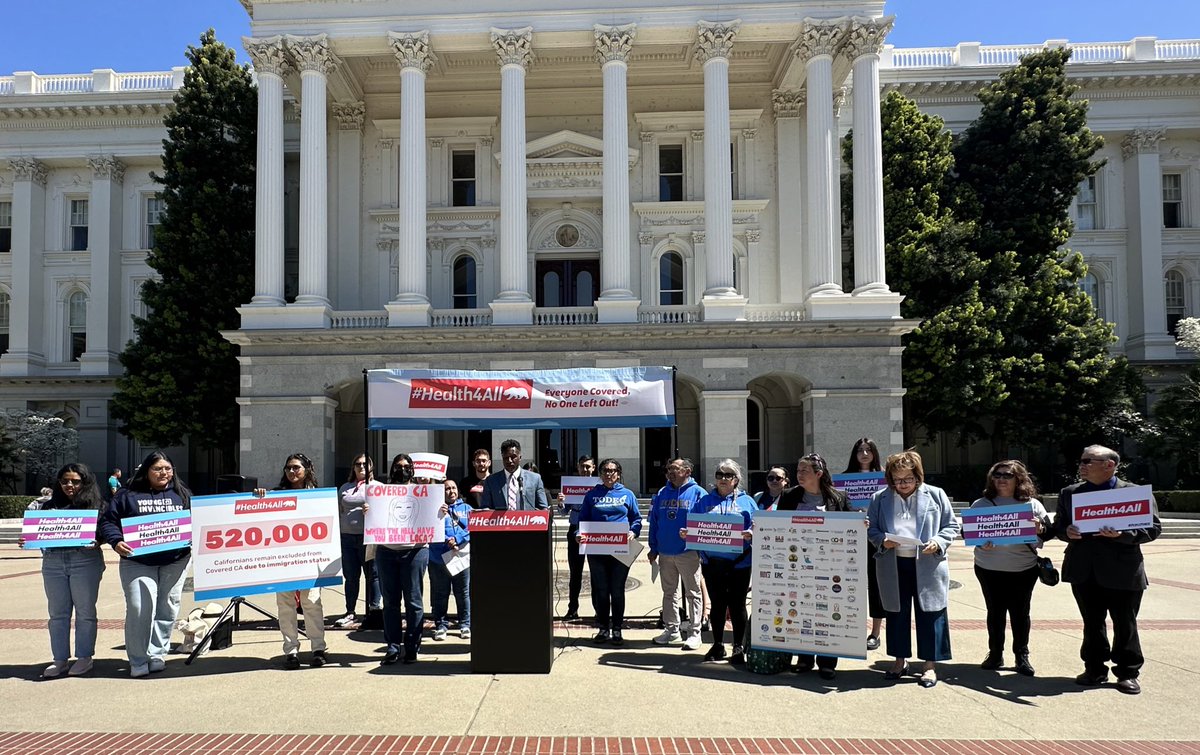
(234, 607)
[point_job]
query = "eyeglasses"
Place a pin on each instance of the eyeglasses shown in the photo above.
(726, 475)
(610, 470)
(775, 478)
(1003, 476)
(294, 468)
(1086, 462)
(904, 480)
(360, 465)
(70, 483)
(161, 470)
(402, 466)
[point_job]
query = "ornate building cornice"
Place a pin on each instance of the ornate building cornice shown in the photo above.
(866, 36)
(613, 43)
(787, 103)
(820, 38)
(1142, 140)
(412, 50)
(312, 53)
(268, 55)
(29, 169)
(107, 167)
(350, 115)
(513, 46)
(714, 39)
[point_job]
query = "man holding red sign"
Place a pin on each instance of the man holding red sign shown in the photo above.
(1107, 577)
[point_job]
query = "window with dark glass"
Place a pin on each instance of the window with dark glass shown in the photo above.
(753, 436)
(5, 226)
(670, 279)
(79, 225)
(154, 208)
(464, 282)
(5, 307)
(1085, 205)
(462, 178)
(1175, 294)
(1172, 191)
(77, 324)
(670, 173)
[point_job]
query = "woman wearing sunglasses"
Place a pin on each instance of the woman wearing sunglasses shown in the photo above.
(777, 481)
(912, 525)
(351, 496)
(1008, 573)
(609, 501)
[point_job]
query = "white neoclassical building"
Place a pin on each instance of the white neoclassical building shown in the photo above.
(524, 187)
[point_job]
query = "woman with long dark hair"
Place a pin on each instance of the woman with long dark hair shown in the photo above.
(401, 570)
(864, 457)
(153, 583)
(351, 496)
(609, 501)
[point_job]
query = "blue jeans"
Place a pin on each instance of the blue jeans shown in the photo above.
(151, 606)
(933, 627)
(354, 562)
(72, 580)
(608, 590)
(440, 582)
(402, 574)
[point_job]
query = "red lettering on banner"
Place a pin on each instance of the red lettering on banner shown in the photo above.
(808, 520)
(264, 505)
(470, 393)
(1103, 511)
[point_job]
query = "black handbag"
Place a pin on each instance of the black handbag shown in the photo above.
(1047, 574)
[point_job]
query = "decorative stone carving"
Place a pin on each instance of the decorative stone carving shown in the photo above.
(614, 42)
(312, 53)
(753, 235)
(412, 49)
(28, 169)
(385, 245)
(248, 5)
(698, 135)
(697, 237)
(487, 141)
(787, 103)
(436, 244)
(645, 238)
(386, 144)
(107, 166)
(749, 133)
(488, 242)
(1142, 140)
(437, 142)
(715, 39)
(267, 55)
(349, 115)
(646, 137)
(866, 36)
(513, 46)
(839, 101)
(820, 38)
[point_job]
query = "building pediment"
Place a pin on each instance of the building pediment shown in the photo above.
(566, 163)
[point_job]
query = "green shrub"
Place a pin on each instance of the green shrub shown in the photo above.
(1178, 500)
(13, 506)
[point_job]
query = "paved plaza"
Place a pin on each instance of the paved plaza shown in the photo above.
(639, 698)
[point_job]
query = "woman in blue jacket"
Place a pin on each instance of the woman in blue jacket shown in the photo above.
(153, 583)
(610, 501)
(455, 513)
(727, 574)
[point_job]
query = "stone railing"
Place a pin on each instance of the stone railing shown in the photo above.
(460, 318)
(564, 315)
(365, 319)
(774, 313)
(975, 54)
(99, 80)
(668, 315)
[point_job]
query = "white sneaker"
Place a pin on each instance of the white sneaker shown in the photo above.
(157, 664)
(345, 620)
(80, 667)
(692, 642)
(667, 637)
(465, 633)
(139, 671)
(54, 670)
(439, 634)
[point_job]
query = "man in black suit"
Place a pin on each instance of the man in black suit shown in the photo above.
(1107, 577)
(514, 488)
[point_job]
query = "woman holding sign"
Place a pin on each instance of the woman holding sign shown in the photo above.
(71, 576)
(864, 457)
(153, 582)
(351, 496)
(610, 501)
(1007, 573)
(912, 525)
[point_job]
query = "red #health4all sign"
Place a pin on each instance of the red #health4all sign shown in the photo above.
(509, 521)
(1129, 508)
(470, 393)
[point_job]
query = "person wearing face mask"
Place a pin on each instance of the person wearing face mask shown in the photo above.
(668, 510)
(455, 513)
(912, 525)
(777, 482)
(401, 570)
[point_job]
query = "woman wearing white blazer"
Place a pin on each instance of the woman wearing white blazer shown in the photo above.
(912, 525)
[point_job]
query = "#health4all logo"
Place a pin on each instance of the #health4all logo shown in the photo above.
(470, 393)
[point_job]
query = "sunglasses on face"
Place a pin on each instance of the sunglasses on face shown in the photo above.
(360, 465)
(1088, 462)
(1003, 476)
(294, 468)
(726, 475)
(775, 478)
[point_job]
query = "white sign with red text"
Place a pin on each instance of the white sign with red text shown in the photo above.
(430, 466)
(603, 538)
(403, 514)
(1130, 508)
(575, 488)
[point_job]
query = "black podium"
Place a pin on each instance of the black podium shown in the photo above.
(512, 629)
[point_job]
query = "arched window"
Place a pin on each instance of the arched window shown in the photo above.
(465, 293)
(1091, 286)
(583, 288)
(5, 307)
(670, 279)
(754, 441)
(1174, 293)
(77, 304)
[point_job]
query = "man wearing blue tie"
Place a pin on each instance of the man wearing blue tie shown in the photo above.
(514, 488)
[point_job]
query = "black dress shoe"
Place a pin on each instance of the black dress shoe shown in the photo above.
(318, 659)
(1129, 686)
(292, 661)
(739, 656)
(715, 653)
(392, 657)
(872, 642)
(1092, 678)
(827, 674)
(993, 661)
(602, 636)
(1024, 667)
(894, 674)
(571, 615)
(617, 639)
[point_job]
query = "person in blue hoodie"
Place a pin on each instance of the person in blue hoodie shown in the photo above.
(153, 583)
(610, 501)
(668, 512)
(455, 512)
(727, 574)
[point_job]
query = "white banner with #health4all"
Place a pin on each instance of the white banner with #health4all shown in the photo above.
(244, 545)
(810, 583)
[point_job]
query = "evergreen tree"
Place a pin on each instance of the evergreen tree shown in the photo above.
(181, 376)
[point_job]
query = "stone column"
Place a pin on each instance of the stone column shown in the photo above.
(104, 245)
(817, 44)
(270, 66)
(1147, 338)
(315, 61)
(513, 305)
(411, 305)
(787, 105)
(723, 430)
(350, 280)
(721, 300)
(616, 303)
(26, 342)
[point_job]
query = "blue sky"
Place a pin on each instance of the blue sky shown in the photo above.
(75, 36)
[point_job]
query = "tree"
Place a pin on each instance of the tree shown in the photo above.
(42, 442)
(1177, 411)
(181, 376)
(10, 459)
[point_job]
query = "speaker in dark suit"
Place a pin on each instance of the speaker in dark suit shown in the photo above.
(525, 487)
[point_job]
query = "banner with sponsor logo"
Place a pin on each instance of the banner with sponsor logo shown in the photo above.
(1130, 508)
(999, 525)
(603, 538)
(403, 514)
(810, 583)
(717, 533)
(575, 488)
(289, 540)
(59, 528)
(542, 399)
(151, 533)
(859, 487)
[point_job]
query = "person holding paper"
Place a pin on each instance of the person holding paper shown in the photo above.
(514, 488)
(401, 570)
(727, 574)
(777, 482)
(351, 496)
(299, 474)
(584, 467)
(71, 577)
(912, 525)
(814, 492)
(153, 583)
(455, 512)
(669, 510)
(610, 501)
(1107, 577)
(1007, 573)
(864, 457)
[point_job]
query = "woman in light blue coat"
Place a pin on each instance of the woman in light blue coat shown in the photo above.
(912, 525)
